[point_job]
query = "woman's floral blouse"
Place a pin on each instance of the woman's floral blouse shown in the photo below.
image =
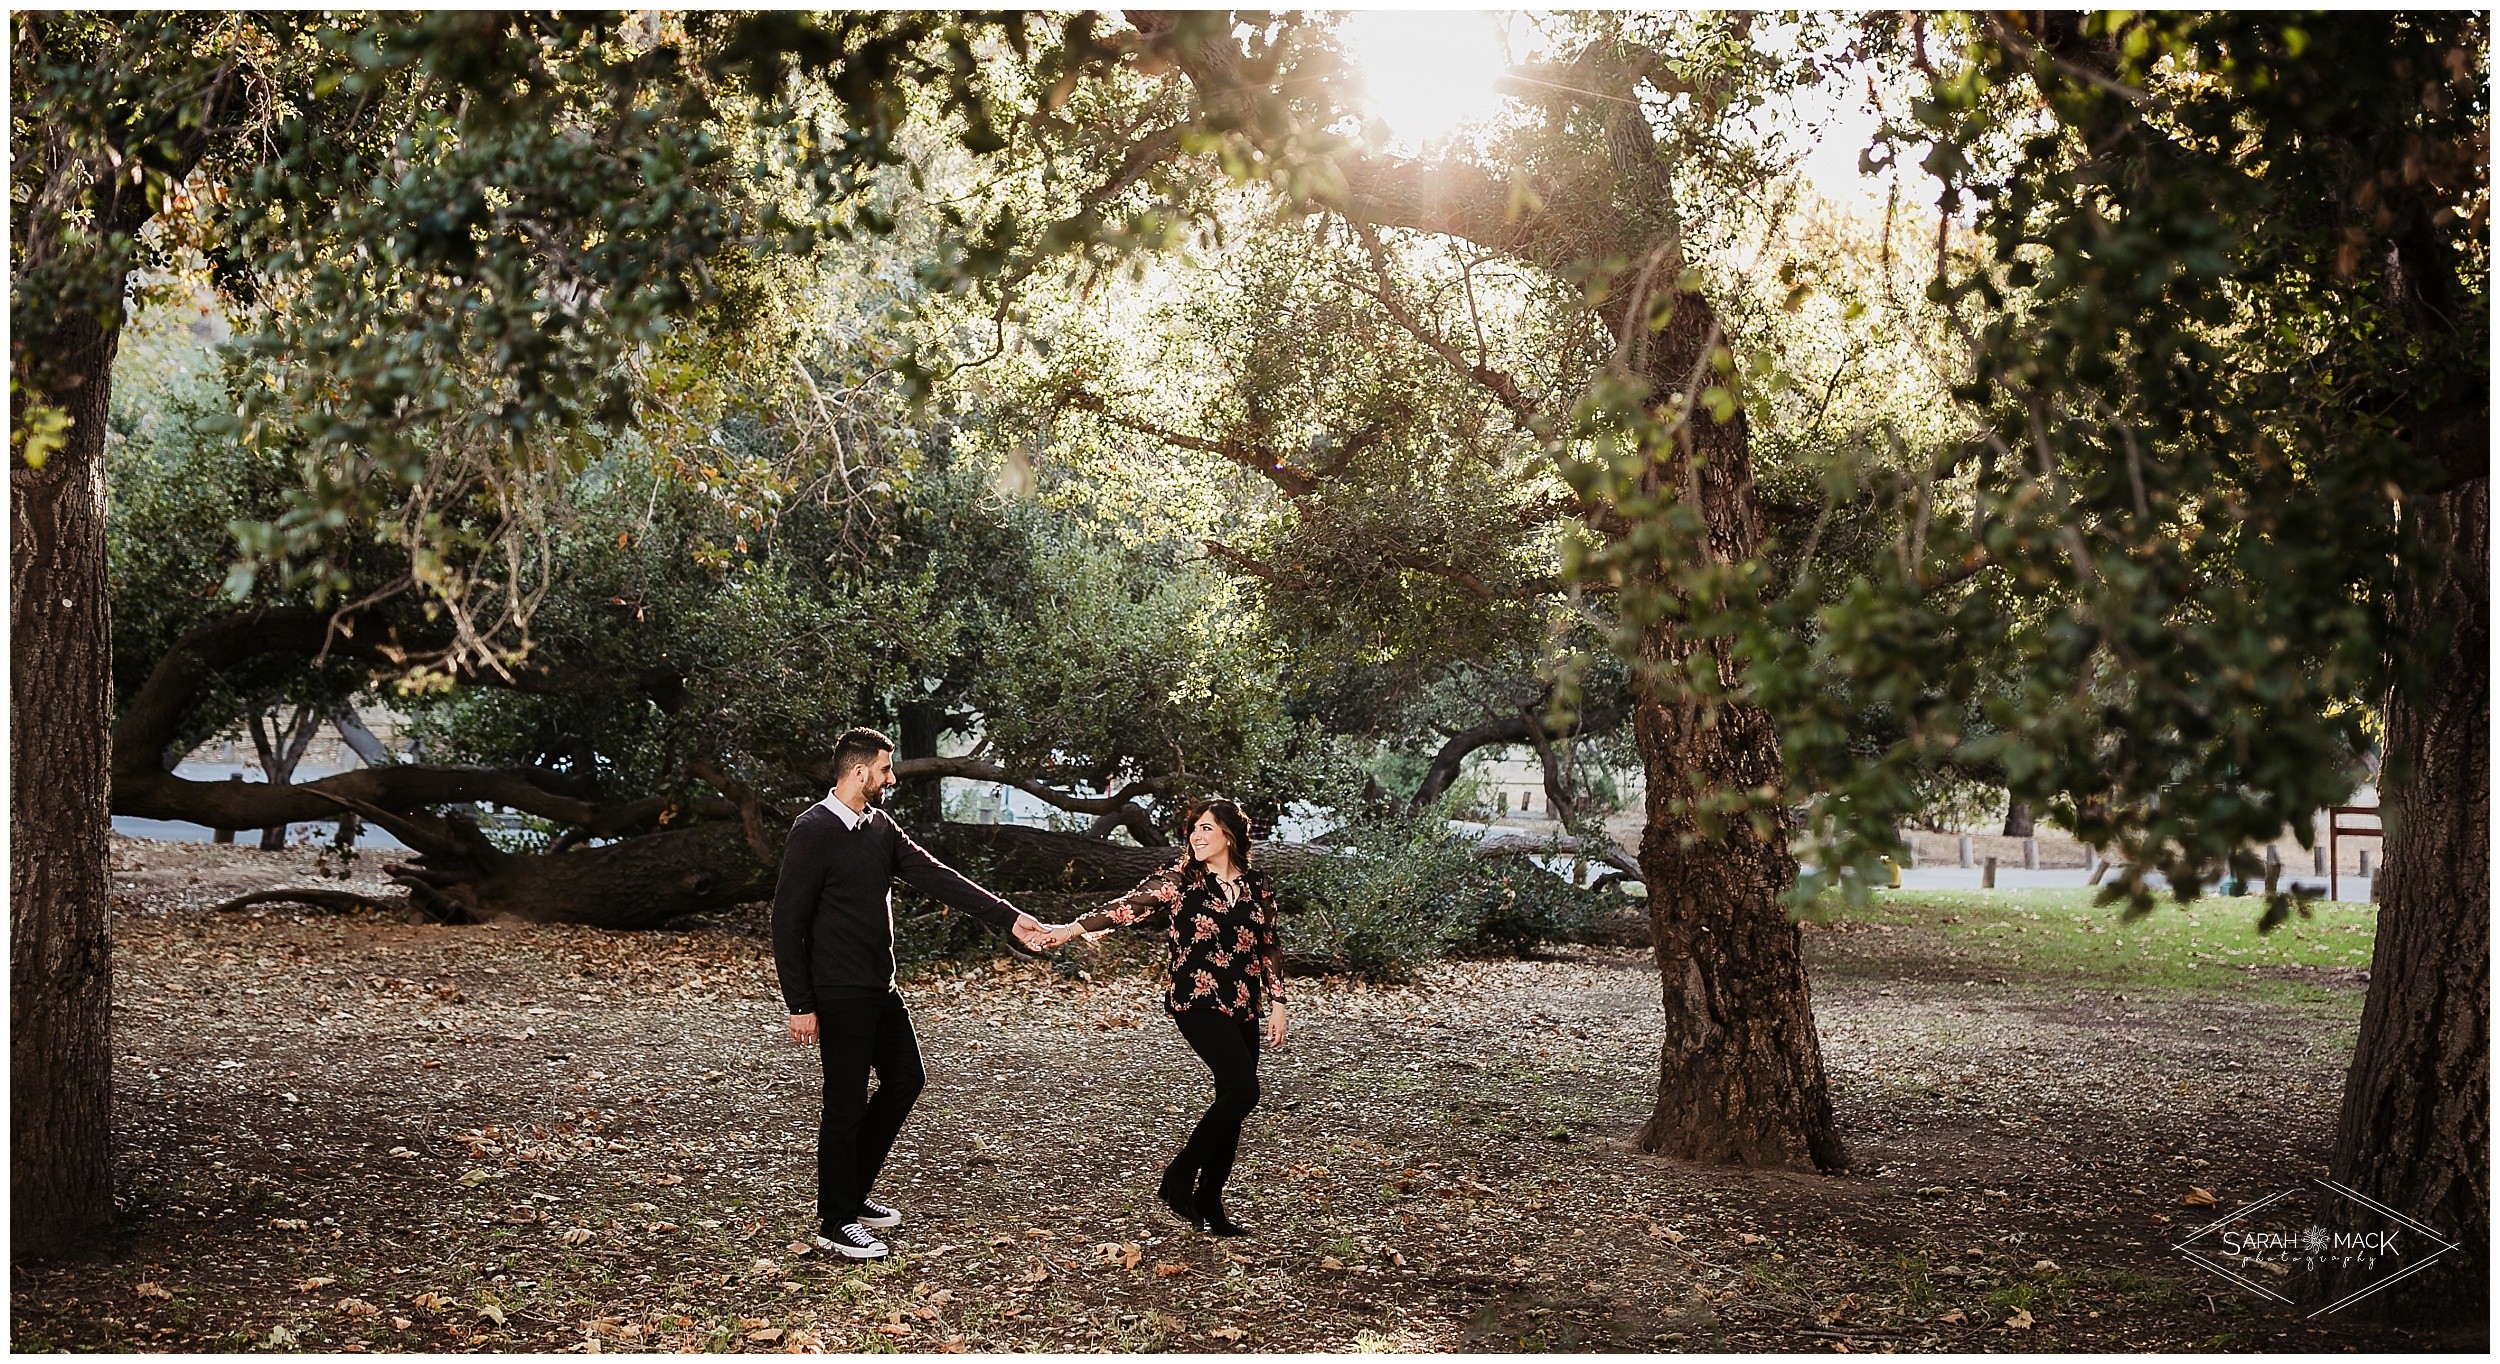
(1224, 953)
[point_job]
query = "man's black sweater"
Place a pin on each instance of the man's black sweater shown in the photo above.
(833, 915)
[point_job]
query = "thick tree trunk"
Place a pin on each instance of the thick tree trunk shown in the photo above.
(634, 883)
(2018, 819)
(1740, 1075)
(918, 802)
(61, 708)
(2415, 1129)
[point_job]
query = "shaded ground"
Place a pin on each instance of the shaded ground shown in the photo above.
(344, 1133)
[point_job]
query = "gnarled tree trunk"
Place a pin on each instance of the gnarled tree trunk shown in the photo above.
(1740, 1075)
(61, 709)
(2415, 1128)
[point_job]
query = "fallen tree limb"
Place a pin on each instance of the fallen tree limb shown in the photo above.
(343, 901)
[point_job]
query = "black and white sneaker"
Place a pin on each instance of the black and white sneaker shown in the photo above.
(876, 1216)
(851, 1242)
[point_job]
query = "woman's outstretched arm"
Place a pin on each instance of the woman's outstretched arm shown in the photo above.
(1153, 898)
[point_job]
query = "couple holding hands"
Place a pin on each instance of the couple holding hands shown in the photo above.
(833, 948)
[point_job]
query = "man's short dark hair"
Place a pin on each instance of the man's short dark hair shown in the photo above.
(856, 748)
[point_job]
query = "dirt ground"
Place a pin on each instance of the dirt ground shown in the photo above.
(338, 1132)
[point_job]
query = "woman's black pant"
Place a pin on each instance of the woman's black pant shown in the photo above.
(1230, 1047)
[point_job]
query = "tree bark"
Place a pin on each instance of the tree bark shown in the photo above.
(2415, 1129)
(918, 801)
(61, 708)
(635, 883)
(281, 747)
(1741, 1077)
(2017, 819)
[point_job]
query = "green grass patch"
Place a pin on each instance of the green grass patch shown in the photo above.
(2060, 935)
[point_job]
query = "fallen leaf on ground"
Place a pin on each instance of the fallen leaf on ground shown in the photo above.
(431, 1302)
(578, 1236)
(314, 1284)
(2020, 1321)
(1165, 1271)
(765, 1336)
(1952, 1318)
(152, 1290)
(357, 1307)
(1225, 1333)
(2198, 1197)
(491, 1312)
(401, 1323)
(288, 1224)
(1331, 1262)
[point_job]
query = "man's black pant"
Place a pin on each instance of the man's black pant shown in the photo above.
(1230, 1047)
(856, 1036)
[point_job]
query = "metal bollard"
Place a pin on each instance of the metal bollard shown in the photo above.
(2274, 868)
(1988, 875)
(2031, 854)
(2365, 864)
(1965, 850)
(2318, 855)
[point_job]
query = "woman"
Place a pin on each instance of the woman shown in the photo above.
(1220, 920)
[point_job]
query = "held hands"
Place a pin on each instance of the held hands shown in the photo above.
(1040, 937)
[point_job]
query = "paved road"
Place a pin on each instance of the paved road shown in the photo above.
(2347, 887)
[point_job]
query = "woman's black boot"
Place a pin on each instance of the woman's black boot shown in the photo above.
(1211, 1216)
(1176, 1195)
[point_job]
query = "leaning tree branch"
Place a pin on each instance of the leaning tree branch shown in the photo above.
(147, 729)
(1519, 728)
(1266, 464)
(1115, 805)
(1259, 568)
(750, 810)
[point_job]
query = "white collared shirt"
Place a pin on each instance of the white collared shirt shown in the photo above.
(850, 818)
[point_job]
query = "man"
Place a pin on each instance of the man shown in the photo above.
(833, 946)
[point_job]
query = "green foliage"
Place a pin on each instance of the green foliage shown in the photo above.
(177, 480)
(2223, 310)
(2226, 301)
(1405, 890)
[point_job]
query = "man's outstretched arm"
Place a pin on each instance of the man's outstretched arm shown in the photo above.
(917, 868)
